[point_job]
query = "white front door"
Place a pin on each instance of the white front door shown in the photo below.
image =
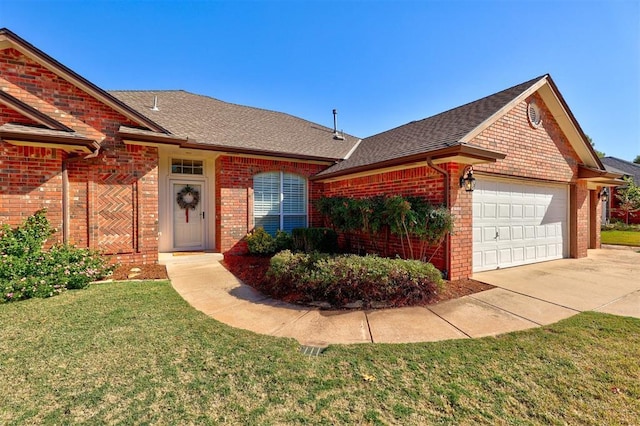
(516, 223)
(188, 216)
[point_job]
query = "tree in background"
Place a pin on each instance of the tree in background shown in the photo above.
(637, 159)
(629, 198)
(600, 154)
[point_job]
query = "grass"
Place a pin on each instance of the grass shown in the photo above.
(137, 353)
(625, 238)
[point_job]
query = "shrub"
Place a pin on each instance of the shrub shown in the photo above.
(618, 225)
(308, 240)
(261, 243)
(283, 241)
(26, 270)
(345, 279)
(408, 218)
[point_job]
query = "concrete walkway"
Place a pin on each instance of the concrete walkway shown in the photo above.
(528, 296)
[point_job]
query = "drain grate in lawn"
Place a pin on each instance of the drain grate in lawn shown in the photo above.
(312, 350)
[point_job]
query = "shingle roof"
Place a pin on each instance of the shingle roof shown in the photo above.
(617, 165)
(438, 132)
(212, 122)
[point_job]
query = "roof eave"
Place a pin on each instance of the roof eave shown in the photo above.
(463, 153)
(248, 151)
(589, 173)
(65, 142)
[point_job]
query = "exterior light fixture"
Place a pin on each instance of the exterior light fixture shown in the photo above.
(604, 195)
(467, 181)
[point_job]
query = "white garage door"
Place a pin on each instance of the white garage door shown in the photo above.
(516, 224)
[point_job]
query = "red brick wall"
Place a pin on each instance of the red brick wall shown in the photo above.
(8, 115)
(538, 153)
(30, 180)
(234, 183)
(113, 198)
(418, 182)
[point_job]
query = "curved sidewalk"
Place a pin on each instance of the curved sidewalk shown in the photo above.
(525, 297)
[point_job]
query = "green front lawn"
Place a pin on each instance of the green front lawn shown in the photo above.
(625, 238)
(137, 353)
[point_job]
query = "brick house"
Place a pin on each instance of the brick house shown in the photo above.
(116, 169)
(611, 209)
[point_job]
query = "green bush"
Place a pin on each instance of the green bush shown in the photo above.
(618, 225)
(324, 240)
(415, 221)
(283, 241)
(345, 279)
(261, 243)
(26, 270)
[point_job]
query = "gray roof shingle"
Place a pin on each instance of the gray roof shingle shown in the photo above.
(617, 165)
(212, 122)
(430, 134)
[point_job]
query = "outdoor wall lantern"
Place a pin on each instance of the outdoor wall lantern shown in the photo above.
(604, 195)
(467, 181)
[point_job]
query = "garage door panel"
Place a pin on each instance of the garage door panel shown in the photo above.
(551, 230)
(518, 254)
(504, 233)
(490, 210)
(505, 256)
(517, 211)
(517, 232)
(530, 222)
(529, 211)
(489, 233)
(477, 233)
(477, 209)
(530, 232)
(490, 258)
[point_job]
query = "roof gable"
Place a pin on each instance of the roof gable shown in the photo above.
(459, 126)
(9, 40)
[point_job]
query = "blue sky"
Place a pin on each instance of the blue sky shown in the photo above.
(380, 63)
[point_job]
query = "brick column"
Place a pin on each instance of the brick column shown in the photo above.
(461, 242)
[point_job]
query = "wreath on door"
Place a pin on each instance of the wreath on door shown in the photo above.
(188, 199)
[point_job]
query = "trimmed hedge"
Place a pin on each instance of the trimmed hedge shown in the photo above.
(323, 240)
(344, 279)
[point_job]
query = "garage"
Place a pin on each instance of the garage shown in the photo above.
(517, 223)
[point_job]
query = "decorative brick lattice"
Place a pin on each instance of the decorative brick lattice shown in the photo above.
(115, 218)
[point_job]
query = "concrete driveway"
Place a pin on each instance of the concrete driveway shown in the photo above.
(608, 280)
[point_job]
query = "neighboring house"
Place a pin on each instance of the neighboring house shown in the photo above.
(625, 168)
(119, 171)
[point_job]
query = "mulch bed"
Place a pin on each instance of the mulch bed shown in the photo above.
(139, 272)
(252, 271)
